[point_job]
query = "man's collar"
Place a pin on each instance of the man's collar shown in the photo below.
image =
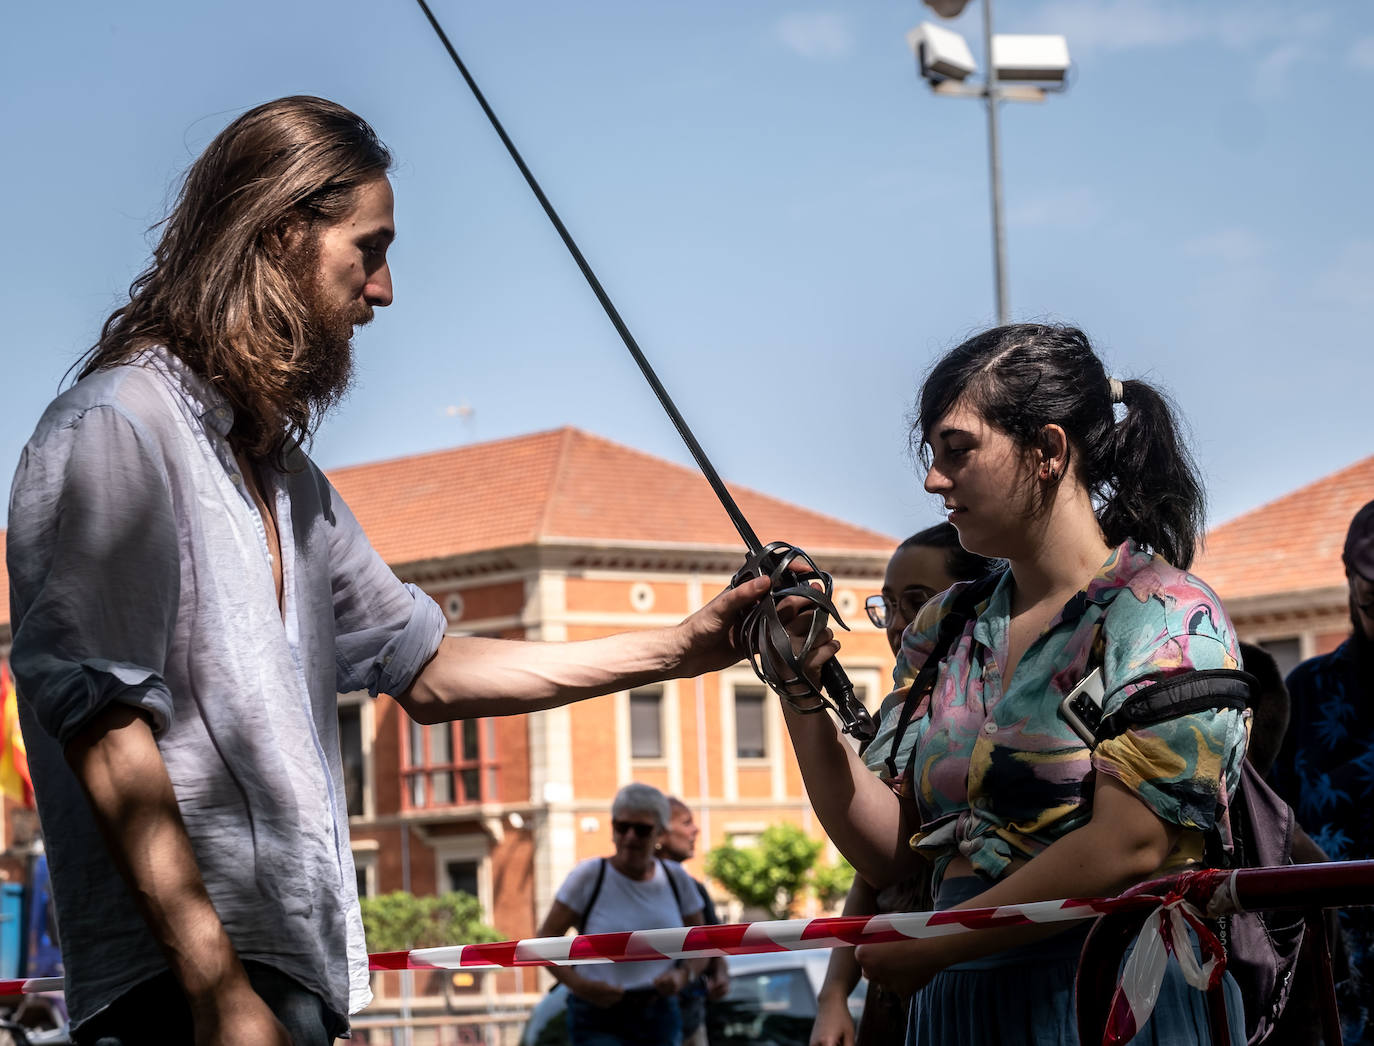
(210, 405)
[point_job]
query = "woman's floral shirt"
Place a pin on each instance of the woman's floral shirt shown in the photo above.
(997, 773)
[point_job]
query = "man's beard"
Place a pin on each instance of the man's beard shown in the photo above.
(322, 370)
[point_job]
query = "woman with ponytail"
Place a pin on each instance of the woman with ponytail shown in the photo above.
(1081, 483)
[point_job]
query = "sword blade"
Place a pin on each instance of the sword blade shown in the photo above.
(708, 470)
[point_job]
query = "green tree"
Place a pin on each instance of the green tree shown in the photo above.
(770, 875)
(831, 882)
(396, 922)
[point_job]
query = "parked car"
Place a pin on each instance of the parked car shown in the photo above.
(772, 1002)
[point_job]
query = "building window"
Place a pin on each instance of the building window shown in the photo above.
(365, 868)
(449, 764)
(463, 865)
(646, 723)
(1287, 653)
(351, 754)
(750, 736)
(461, 877)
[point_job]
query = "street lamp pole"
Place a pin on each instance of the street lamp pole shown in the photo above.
(999, 236)
(946, 62)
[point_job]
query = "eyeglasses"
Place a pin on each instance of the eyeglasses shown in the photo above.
(908, 604)
(640, 829)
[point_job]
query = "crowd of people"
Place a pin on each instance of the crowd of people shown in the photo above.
(189, 594)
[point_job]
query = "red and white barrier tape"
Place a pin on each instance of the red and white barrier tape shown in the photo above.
(31, 986)
(1176, 903)
(693, 942)
(689, 942)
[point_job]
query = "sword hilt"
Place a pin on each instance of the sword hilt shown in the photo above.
(769, 642)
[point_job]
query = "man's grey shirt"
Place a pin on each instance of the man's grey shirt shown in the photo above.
(140, 574)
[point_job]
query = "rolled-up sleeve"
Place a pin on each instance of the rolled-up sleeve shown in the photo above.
(94, 572)
(1183, 768)
(385, 630)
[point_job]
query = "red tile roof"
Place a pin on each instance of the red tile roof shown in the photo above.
(1292, 544)
(563, 484)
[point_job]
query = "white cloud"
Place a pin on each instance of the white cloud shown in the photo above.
(1063, 208)
(1274, 37)
(1236, 246)
(820, 36)
(1121, 25)
(1272, 72)
(1349, 280)
(1362, 54)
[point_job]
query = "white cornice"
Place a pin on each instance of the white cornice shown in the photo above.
(636, 556)
(1313, 601)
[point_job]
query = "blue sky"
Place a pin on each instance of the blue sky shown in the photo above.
(785, 215)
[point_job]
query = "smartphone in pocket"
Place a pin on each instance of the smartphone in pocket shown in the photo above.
(1082, 707)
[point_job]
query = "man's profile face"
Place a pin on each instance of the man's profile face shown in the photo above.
(342, 272)
(352, 275)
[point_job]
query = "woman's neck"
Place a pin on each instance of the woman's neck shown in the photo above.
(1064, 551)
(633, 867)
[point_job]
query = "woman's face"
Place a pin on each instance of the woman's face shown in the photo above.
(985, 481)
(914, 575)
(635, 834)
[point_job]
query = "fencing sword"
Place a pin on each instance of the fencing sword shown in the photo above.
(791, 571)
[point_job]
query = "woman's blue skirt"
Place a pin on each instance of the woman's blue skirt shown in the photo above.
(1026, 995)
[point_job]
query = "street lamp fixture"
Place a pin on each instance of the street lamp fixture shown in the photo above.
(1020, 68)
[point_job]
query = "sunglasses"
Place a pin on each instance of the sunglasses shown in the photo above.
(640, 829)
(880, 609)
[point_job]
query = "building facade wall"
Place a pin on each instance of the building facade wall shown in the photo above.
(559, 769)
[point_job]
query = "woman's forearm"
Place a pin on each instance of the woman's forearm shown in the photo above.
(861, 815)
(1123, 844)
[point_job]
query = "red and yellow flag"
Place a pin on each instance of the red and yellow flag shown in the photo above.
(14, 758)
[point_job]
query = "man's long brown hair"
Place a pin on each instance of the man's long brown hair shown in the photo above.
(221, 291)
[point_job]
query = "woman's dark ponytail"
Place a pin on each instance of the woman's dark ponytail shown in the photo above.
(1153, 495)
(1137, 470)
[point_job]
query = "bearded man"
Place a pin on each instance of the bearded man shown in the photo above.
(189, 595)
(1325, 768)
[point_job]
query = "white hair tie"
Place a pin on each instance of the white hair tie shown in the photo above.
(1117, 390)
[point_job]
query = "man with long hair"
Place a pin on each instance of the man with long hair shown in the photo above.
(189, 595)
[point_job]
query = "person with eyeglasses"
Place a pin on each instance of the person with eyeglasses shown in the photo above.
(1325, 768)
(1083, 484)
(921, 567)
(627, 1004)
(924, 565)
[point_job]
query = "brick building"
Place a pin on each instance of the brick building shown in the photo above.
(564, 536)
(1278, 568)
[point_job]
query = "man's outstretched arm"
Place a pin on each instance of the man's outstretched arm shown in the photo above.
(125, 780)
(471, 676)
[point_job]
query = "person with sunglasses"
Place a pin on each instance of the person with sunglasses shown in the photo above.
(627, 1004)
(924, 565)
(1325, 768)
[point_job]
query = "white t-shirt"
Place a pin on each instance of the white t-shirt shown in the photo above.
(629, 904)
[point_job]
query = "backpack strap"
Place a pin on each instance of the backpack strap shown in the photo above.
(672, 885)
(1197, 691)
(596, 892)
(951, 628)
